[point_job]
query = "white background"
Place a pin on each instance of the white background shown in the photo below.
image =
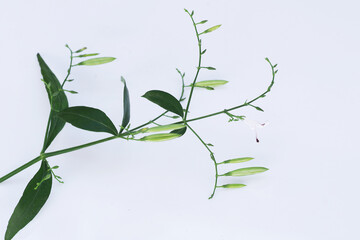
(136, 191)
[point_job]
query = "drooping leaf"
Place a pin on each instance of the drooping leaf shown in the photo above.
(31, 201)
(165, 100)
(245, 171)
(234, 185)
(126, 102)
(87, 55)
(210, 83)
(96, 61)
(165, 128)
(160, 137)
(210, 29)
(58, 102)
(237, 160)
(88, 118)
(180, 131)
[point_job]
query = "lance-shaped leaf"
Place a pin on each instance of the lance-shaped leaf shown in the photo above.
(88, 118)
(245, 171)
(237, 160)
(58, 101)
(31, 201)
(126, 102)
(165, 128)
(234, 185)
(211, 29)
(96, 61)
(160, 137)
(165, 100)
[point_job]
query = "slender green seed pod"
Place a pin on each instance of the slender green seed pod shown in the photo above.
(245, 171)
(160, 137)
(210, 29)
(97, 61)
(237, 160)
(210, 83)
(165, 128)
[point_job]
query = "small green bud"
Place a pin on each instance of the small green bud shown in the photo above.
(160, 137)
(209, 68)
(232, 186)
(237, 160)
(202, 22)
(80, 50)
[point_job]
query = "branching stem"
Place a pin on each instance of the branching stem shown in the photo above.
(198, 67)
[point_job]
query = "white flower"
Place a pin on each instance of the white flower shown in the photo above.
(254, 125)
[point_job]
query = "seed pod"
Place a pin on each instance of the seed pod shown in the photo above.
(165, 128)
(237, 160)
(235, 185)
(160, 137)
(211, 29)
(81, 49)
(210, 83)
(97, 61)
(245, 171)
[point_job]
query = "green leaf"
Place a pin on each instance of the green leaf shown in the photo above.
(88, 118)
(58, 102)
(203, 52)
(165, 128)
(210, 29)
(165, 100)
(160, 137)
(180, 131)
(246, 171)
(31, 202)
(234, 185)
(237, 160)
(96, 61)
(87, 55)
(126, 102)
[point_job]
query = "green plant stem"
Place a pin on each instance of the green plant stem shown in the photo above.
(50, 154)
(242, 105)
(163, 114)
(198, 68)
(16, 171)
(46, 131)
(70, 67)
(212, 158)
